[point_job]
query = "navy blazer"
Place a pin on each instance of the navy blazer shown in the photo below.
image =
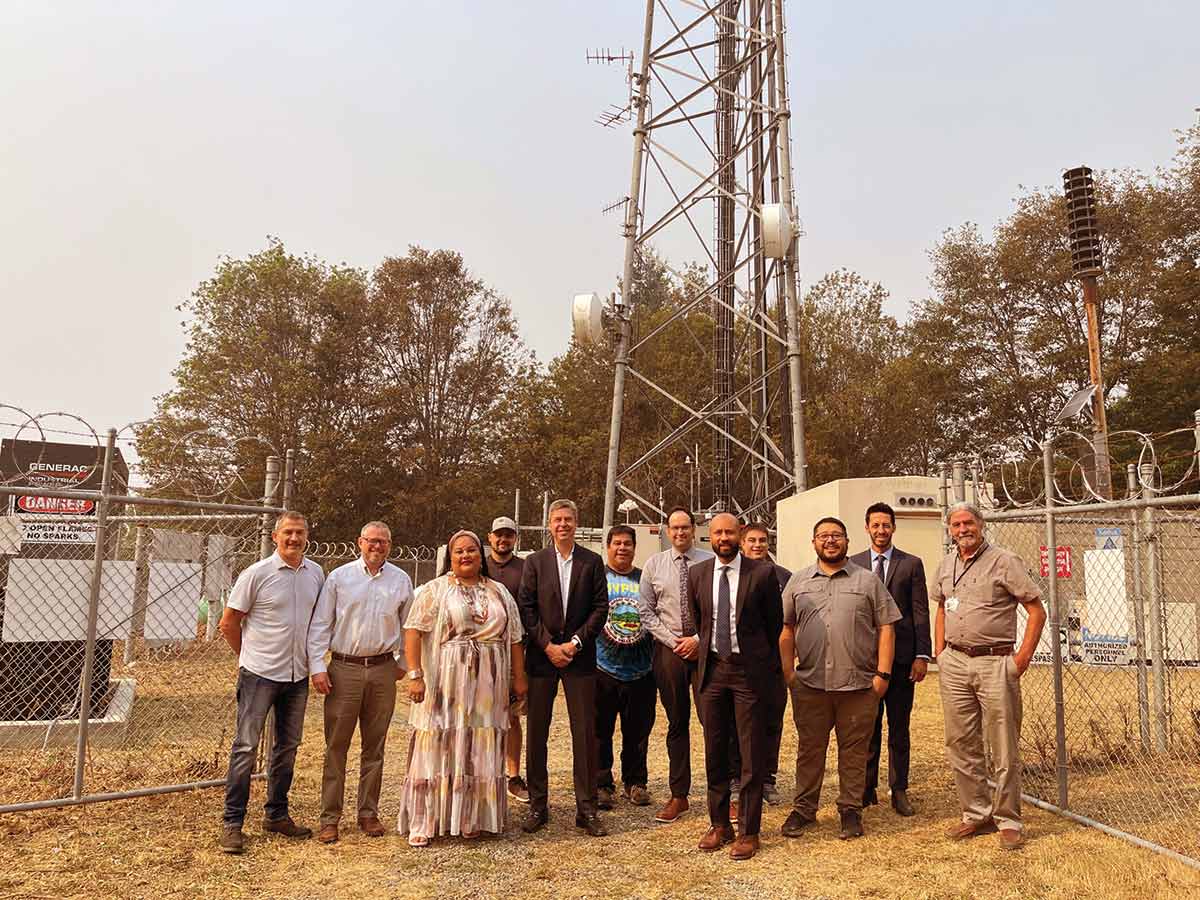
(906, 583)
(541, 605)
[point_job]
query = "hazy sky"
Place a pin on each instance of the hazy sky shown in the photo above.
(139, 142)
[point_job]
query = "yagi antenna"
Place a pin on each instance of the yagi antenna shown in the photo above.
(607, 57)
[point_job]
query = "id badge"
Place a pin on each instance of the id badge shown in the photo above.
(951, 604)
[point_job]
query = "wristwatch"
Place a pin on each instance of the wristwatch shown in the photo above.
(415, 675)
(886, 676)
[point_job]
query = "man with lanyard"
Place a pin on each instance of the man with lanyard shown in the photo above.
(506, 567)
(266, 624)
(977, 590)
(359, 621)
(624, 683)
(663, 605)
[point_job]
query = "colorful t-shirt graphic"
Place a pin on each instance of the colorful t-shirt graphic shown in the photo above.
(624, 646)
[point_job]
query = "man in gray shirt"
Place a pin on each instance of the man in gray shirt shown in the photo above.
(836, 647)
(665, 613)
(266, 624)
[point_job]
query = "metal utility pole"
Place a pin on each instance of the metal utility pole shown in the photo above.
(1087, 263)
(712, 175)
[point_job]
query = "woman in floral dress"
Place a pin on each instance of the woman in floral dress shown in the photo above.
(465, 629)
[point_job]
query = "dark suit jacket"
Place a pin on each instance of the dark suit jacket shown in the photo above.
(759, 619)
(540, 602)
(906, 583)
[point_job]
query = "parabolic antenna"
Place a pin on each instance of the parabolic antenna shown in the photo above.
(1079, 401)
(587, 318)
(777, 232)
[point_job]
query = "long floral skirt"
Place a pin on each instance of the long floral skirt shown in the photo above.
(456, 780)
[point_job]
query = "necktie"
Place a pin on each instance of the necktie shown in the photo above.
(724, 642)
(686, 626)
(879, 568)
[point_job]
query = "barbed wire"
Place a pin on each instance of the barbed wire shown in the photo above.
(200, 464)
(1010, 479)
(349, 550)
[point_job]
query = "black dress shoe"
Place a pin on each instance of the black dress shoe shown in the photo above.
(901, 805)
(851, 824)
(795, 824)
(870, 798)
(592, 825)
(535, 821)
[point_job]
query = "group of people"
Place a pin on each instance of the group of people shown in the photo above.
(491, 639)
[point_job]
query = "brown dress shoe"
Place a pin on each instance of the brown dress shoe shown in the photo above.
(964, 830)
(1011, 839)
(371, 826)
(675, 808)
(328, 834)
(286, 827)
(744, 847)
(716, 837)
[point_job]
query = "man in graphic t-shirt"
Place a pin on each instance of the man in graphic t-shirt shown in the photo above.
(624, 681)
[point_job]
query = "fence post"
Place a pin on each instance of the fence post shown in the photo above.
(270, 486)
(944, 500)
(89, 651)
(1139, 610)
(1060, 727)
(545, 519)
(959, 480)
(1153, 586)
(289, 479)
(141, 588)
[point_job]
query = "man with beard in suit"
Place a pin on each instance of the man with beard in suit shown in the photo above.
(736, 605)
(904, 577)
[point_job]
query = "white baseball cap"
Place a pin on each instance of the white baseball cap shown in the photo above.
(502, 522)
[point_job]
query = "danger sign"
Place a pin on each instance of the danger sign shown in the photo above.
(1062, 562)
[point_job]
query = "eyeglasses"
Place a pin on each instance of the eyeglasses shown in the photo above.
(375, 542)
(832, 538)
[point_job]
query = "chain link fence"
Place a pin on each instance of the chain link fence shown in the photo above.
(114, 680)
(1111, 728)
(419, 561)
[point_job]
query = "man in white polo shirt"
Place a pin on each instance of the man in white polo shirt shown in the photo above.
(359, 620)
(266, 624)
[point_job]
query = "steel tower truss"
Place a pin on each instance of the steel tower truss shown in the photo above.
(711, 149)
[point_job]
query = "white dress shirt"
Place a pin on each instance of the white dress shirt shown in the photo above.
(564, 574)
(735, 568)
(360, 614)
(278, 602)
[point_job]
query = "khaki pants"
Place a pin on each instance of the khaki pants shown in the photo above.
(981, 699)
(851, 715)
(363, 696)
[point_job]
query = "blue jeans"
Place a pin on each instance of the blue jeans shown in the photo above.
(256, 696)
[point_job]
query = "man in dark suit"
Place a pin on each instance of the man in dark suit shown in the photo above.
(756, 544)
(904, 576)
(736, 604)
(564, 603)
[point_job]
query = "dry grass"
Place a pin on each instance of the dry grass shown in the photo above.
(165, 847)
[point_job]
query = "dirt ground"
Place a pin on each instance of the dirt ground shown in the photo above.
(166, 846)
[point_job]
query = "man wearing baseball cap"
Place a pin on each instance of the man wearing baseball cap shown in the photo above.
(506, 567)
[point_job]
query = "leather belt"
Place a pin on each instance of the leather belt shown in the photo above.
(364, 660)
(994, 650)
(733, 658)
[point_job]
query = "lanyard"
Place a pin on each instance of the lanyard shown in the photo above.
(967, 568)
